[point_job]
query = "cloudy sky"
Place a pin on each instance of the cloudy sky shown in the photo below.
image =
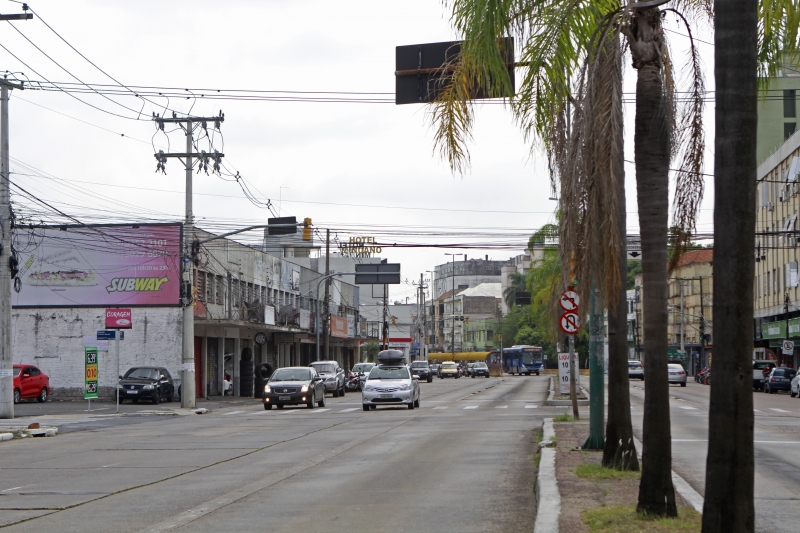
(358, 168)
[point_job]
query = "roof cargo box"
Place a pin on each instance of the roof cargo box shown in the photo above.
(391, 357)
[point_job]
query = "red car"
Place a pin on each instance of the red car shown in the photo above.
(30, 382)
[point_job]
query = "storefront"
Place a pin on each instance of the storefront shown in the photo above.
(774, 333)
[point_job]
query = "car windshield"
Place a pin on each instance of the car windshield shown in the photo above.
(389, 373)
(142, 373)
(17, 370)
(451, 365)
(363, 367)
(291, 374)
(419, 365)
(325, 367)
(762, 366)
(479, 365)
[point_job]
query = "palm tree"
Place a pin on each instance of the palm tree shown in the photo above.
(516, 283)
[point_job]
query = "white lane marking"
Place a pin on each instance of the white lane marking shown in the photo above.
(688, 408)
(442, 407)
(778, 410)
(318, 410)
(689, 440)
(12, 488)
(114, 464)
(501, 407)
(756, 410)
(233, 413)
(471, 407)
(348, 410)
(531, 406)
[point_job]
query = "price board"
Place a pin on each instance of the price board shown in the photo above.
(91, 374)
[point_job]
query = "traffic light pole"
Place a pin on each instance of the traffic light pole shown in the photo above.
(324, 279)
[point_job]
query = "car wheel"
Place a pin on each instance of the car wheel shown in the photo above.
(472, 376)
(683, 384)
(42, 395)
(430, 380)
(416, 402)
(771, 391)
(310, 404)
(279, 405)
(411, 405)
(321, 403)
(16, 396)
(343, 389)
(366, 407)
(373, 407)
(336, 392)
(267, 406)
(792, 393)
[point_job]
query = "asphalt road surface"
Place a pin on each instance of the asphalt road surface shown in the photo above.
(462, 462)
(777, 448)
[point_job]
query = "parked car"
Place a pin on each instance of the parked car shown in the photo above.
(421, 369)
(478, 369)
(30, 382)
(677, 374)
(294, 385)
(390, 385)
(779, 379)
(635, 370)
(333, 376)
(758, 372)
(794, 387)
(146, 383)
(449, 370)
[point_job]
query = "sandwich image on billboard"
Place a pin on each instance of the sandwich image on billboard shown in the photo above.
(101, 266)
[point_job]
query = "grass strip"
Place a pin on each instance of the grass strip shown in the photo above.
(625, 519)
(595, 472)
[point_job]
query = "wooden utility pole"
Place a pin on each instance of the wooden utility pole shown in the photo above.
(327, 320)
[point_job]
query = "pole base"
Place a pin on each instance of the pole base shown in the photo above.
(594, 443)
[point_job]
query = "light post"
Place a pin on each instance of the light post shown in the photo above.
(433, 314)
(453, 310)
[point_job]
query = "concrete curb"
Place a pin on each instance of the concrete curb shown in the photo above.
(681, 485)
(22, 432)
(551, 402)
(6, 436)
(548, 499)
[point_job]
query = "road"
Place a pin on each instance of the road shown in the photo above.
(462, 462)
(777, 448)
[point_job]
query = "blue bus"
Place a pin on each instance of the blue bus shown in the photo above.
(523, 360)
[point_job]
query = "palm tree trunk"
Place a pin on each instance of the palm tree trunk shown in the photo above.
(619, 450)
(652, 157)
(730, 464)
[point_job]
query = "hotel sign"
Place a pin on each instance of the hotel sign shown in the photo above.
(360, 247)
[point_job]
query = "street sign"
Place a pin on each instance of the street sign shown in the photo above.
(378, 274)
(570, 301)
(106, 335)
(788, 347)
(281, 226)
(90, 386)
(570, 323)
(563, 372)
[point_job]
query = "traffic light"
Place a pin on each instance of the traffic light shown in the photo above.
(307, 229)
(466, 320)
(394, 320)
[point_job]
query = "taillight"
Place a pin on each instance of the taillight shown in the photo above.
(681, 373)
(774, 379)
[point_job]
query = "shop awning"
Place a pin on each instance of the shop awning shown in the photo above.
(459, 356)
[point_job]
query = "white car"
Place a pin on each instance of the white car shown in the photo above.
(635, 370)
(676, 374)
(390, 385)
(794, 388)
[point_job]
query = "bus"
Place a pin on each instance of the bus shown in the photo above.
(523, 360)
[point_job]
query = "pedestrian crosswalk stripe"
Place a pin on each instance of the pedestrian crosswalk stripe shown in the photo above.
(501, 407)
(688, 408)
(531, 406)
(233, 413)
(317, 410)
(471, 407)
(778, 410)
(348, 410)
(442, 407)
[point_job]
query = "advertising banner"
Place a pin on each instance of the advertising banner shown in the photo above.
(563, 372)
(101, 266)
(119, 318)
(338, 327)
(351, 326)
(90, 387)
(305, 319)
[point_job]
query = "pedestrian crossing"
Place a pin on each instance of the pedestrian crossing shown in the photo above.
(300, 410)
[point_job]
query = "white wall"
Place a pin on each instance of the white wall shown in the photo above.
(52, 339)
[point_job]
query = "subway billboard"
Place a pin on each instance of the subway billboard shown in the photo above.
(98, 266)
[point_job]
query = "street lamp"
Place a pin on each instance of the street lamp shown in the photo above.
(433, 314)
(453, 333)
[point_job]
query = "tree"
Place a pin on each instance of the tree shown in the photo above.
(516, 284)
(369, 351)
(634, 267)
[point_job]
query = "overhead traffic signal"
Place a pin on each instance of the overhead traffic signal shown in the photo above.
(307, 229)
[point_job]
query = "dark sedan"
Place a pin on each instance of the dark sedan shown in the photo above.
(146, 383)
(296, 385)
(421, 369)
(779, 379)
(478, 369)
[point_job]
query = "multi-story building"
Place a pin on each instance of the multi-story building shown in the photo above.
(777, 113)
(467, 273)
(690, 300)
(776, 296)
(477, 303)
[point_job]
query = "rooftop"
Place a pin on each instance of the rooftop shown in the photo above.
(705, 255)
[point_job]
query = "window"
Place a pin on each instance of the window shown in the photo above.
(220, 291)
(788, 129)
(209, 287)
(789, 99)
(34, 371)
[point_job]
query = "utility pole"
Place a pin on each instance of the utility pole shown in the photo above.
(188, 392)
(6, 257)
(385, 318)
(327, 320)
(683, 316)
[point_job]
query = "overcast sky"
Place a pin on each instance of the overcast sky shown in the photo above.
(354, 167)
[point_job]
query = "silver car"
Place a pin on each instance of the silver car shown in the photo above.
(676, 374)
(635, 370)
(332, 375)
(390, 385)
